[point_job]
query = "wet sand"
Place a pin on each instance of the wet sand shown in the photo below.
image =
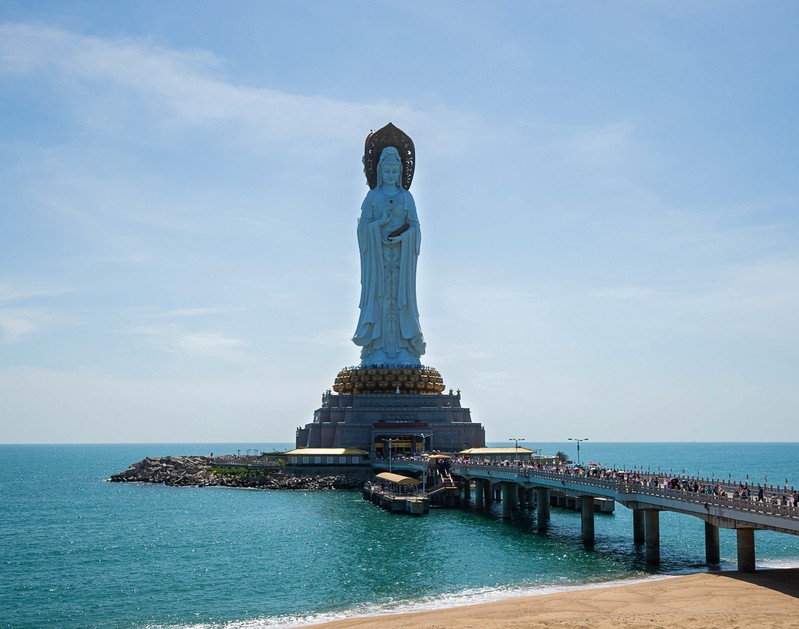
(723, 600)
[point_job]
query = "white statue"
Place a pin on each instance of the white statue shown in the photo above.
(388, 238)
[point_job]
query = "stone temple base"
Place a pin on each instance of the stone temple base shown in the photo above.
(411, 422)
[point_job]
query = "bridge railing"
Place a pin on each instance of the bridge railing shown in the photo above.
(638, 486)
(738, 503)
(501, 471)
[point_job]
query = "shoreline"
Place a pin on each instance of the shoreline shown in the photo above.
(722, 600)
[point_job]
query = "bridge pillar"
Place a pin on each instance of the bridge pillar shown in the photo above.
(466, 484)
(510, 499)
(479, 493)
(522, 493)
(712, 554)
(507, 501)
(652, 536)
(488, 491)
(498, 492)
(542, 508)
(639, 526)
(587, 517)
(746, 550)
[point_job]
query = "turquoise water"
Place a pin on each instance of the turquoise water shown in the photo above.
(77, 551)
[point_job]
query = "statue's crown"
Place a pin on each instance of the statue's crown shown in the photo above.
(376, 141)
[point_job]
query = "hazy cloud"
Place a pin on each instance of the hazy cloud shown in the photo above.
(11, 292)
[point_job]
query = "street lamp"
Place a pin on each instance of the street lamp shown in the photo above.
(517, 440)
(389, 441)
(578, 447)
(427, 463)
(424, 443)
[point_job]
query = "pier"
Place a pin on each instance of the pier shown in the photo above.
(646, 494)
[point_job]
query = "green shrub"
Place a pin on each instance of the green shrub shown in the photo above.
(231, 471)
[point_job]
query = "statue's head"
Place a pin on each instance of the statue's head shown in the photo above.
(389, 168)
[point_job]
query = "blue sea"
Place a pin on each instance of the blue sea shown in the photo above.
(77, 551)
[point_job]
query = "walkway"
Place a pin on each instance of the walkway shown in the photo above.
(646, 494)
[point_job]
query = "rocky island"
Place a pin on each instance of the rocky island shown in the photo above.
(203, 471)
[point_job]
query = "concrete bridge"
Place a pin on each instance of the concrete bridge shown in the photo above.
(645, 494)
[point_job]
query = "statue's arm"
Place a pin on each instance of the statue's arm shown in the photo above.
(365, 220)
(413, 220)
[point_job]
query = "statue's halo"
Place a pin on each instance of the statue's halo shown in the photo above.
(376, 141)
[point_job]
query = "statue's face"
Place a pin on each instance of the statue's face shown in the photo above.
(390, 172)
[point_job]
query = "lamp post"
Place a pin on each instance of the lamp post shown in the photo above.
(517, 440)
(424, 437)
(579, 441)
(424, 471)
(389, 441)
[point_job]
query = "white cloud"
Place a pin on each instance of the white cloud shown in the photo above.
(188, 89)
(598, 147)
(18, 323)
(623, 292)
(212, 345)
(11, 292)
(173, 337)
(183, 313)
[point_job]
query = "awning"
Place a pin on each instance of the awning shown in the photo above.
(496, 451)
(438, 456)
(398, 478)
(327, 452)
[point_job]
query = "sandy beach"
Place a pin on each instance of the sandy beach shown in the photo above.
(728, 600)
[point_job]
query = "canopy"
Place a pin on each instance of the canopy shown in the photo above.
(438, 456)
(398, 478)
(328, 452)
(496, 451)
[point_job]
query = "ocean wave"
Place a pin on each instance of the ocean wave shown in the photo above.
(475, 596)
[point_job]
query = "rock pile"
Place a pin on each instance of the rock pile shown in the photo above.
(198, 471)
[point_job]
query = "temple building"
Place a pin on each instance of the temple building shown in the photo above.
(408, 423)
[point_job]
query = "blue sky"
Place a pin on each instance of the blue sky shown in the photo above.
(608, 196)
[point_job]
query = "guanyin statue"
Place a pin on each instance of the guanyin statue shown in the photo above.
(388, 329)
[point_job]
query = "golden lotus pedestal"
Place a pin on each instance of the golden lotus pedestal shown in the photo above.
(410, 379)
